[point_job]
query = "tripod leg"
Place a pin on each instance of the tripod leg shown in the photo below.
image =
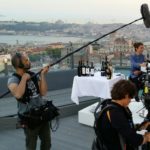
(147, 145)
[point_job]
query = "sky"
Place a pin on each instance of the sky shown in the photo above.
(72, 11)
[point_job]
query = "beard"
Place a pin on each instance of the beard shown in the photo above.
(27, 67)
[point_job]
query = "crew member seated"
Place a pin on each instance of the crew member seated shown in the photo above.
(137, 61)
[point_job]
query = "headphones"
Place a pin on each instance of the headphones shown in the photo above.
(20, 64)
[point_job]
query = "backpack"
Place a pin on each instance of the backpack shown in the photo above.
(35, 116)
(26, 97)
(98, 142)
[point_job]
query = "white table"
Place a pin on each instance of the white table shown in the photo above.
(97, 86)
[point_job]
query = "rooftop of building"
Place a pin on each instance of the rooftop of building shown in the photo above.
(70, 136)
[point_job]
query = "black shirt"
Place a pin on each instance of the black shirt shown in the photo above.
(121, 122)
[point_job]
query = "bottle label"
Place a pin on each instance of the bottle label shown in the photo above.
(87, 71)
(83, 71)
(92, 72)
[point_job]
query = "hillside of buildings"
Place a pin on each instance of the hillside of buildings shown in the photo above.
(133, 31)
(118, 46)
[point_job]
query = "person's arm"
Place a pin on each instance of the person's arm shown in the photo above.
(136, 65)
(133, 62)
(18, 90)
(146, 137)
(42, 82)
(121, 124)
(143, 126)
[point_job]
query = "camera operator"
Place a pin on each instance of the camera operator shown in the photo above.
(116, 125)
(28, 92)
(137, 61)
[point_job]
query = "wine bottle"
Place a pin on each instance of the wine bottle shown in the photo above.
(108, 73)
(79, 69)
(83, 69)
(146, 87)
(110, 70)
(87, 70)
(92, 69)
(106, 64)
(146, 90)
(103, 69)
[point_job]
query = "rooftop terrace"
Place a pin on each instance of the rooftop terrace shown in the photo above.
(70, 135)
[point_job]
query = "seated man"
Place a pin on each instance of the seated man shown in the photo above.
(137, 60)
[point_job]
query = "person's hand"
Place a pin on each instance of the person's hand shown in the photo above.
(143, 65)
(137, 72)
(26, 76)
(45, 70)
(145, 125)
(146, 137)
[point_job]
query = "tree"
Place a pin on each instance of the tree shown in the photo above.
(54, 52)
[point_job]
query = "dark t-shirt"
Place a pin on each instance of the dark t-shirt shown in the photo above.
(35, 98)
(120, 123)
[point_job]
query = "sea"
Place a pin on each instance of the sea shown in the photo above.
(36, 39)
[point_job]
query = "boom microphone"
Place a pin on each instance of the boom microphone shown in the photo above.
(145, 15)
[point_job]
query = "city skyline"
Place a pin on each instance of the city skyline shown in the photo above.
(71, 11)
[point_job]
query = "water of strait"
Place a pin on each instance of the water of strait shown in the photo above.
(23, 39)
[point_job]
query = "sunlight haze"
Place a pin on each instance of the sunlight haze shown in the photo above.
(72, 11)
